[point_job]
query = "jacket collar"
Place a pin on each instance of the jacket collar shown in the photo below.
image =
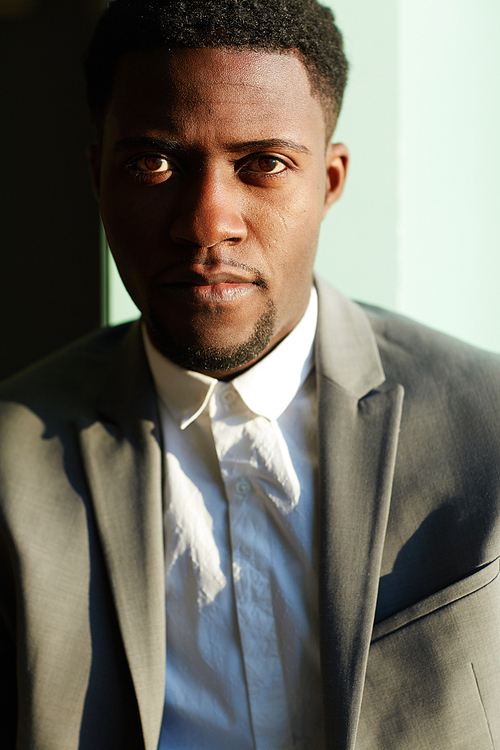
(347, 351)
(358, 433)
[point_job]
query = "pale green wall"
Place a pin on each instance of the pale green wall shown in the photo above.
(120, 306)
(450, 163)
(358, 245)
(417, 228)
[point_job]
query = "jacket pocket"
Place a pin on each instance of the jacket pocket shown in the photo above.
(450, 594)
(433, 672)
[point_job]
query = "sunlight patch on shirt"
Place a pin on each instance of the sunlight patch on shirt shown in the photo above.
(189, 528)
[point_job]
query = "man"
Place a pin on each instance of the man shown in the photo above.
(297, 496)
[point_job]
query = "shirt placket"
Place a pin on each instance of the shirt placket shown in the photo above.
(234, 430)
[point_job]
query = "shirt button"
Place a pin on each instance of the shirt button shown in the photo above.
(228, 397)
(242, 487)
(236, 572)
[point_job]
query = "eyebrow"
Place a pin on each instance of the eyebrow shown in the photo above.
(269, 143)
(175, 147)
(146, 142)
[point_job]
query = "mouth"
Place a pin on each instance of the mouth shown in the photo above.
(206, 285)
(210, 293)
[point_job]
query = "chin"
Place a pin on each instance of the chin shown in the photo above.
(205, 357)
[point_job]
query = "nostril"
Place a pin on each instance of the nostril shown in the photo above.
(204, 229)
(184, 242)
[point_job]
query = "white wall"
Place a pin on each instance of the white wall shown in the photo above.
(417, 229)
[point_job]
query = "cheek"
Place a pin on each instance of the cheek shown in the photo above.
(134, 226)
(288, 265)
(294, 227)
(299, 255)
(296, 211)
(131, 240)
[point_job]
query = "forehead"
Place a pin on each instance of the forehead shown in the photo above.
(228, 89)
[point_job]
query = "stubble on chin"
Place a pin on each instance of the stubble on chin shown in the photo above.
(206, 358)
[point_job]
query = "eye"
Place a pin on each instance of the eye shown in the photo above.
(150, 164)
(266, 164)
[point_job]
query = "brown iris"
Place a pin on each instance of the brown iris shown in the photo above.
(268, 163)
(153, 163)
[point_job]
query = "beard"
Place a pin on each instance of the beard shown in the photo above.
(208, 358)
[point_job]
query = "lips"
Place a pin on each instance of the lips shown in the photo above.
(213, 293)
(200, 275)
(206, 284)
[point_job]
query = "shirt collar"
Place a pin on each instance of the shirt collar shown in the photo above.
(267, 388)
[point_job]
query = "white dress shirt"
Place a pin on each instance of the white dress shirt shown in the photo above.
(241, 464)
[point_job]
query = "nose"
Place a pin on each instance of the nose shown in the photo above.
(209, 212)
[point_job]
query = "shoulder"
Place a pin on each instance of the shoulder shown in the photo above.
(425, 361)
(452, 394)
(451, 389)
(420, 357)
(68, 382)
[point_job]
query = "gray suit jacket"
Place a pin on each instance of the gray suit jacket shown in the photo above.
(409, 593)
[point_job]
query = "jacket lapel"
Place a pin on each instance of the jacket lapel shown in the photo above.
(123, 461)
(359, 425)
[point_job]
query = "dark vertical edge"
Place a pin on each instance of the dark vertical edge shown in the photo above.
(104, 279)
(50, 238)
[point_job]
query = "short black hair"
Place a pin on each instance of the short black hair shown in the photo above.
(302, 27)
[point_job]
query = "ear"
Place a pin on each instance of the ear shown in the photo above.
(337, 160)
(94, 162)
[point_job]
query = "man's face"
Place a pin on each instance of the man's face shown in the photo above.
(213, 178)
